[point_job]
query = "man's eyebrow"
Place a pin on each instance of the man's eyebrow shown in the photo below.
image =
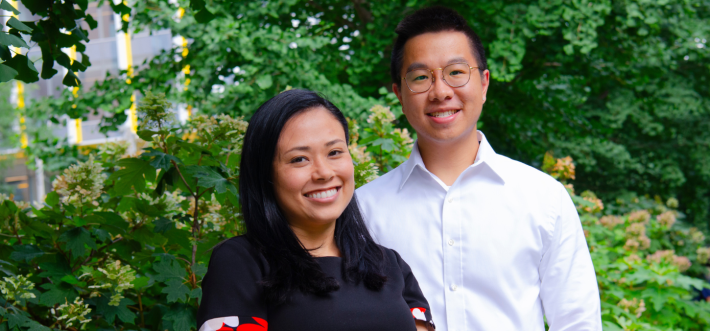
(306, 148)
(419, 65)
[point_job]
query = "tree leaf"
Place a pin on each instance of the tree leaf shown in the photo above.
(204, 16)
(6, 73)
(26, 70)
(26, 253)
(168, 270)
(176, 290)
(161, 160)
(57, 294)
(7, 6)
(52, 199)
(134, 175)
(181, 316)
(7, 39)
(15, 23)
(111, 312)
(76, 238)
(264, 81)
(70, 79)
(209, 178)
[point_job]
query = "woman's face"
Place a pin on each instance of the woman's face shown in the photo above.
(313, 171)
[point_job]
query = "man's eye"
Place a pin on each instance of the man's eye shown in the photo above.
(422, 77)
(456, 72)
(298, 159)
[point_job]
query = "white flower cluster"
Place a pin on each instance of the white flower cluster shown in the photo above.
(221, 127)
(115, 277)
(380, 114)
(70, 313)
(18, 287)
(81, 183)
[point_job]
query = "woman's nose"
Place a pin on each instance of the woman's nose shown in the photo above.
(322, 170)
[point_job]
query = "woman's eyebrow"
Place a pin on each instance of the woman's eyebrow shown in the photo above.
(306, 148)
(332, 142)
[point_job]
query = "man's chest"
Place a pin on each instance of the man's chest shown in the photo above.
(481, 232)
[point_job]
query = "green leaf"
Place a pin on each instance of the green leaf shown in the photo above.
(26, 70)
(209, 178)
(91, 21)
(6, 73)
(204, 16)
(52, 199)
(7, 6)
(176, 290)
(55, 269)
(199, 269)
(181, 316)
(111, 312)
(264, 81)
(140, 282)
(168, 270)
(76, 238)
(57, 294)
(7, 39)
(26, 253)
(161, 160)
(70, 79)
(163, 224)
(134, 175)
(15, 23)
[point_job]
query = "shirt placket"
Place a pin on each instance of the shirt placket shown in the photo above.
(453, 262)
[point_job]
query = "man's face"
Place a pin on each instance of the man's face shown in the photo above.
(443, 114)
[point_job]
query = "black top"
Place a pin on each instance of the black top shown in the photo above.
(232, 297)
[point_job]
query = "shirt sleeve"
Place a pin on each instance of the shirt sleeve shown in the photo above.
(231, 293)
(569, 290)
(413, 295)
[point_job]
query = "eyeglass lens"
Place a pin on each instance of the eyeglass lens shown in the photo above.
(455, 75)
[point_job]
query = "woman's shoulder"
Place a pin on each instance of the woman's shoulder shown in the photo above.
(391, 256)
(236, 251)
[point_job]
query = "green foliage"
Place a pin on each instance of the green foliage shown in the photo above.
(59, 26)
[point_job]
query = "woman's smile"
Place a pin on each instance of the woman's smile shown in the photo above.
(323, 195)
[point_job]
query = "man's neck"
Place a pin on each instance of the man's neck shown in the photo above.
(448, 160)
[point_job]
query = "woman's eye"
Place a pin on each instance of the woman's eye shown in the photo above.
(335, 152)
(298, 159)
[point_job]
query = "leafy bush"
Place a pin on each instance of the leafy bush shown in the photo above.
(123, 241)
(648, 262)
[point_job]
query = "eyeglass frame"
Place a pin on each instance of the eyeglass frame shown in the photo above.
(433, 78)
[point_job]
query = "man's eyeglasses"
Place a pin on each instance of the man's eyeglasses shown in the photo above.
(421, 80)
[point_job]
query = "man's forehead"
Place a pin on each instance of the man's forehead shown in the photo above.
(437, 49)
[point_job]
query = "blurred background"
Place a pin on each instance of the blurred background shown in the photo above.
(620, 86)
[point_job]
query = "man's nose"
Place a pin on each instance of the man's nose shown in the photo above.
(322, 170)
(440, 90)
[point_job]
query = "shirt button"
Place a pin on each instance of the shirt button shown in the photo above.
(451, 242)
(454, 287)
(451, 200)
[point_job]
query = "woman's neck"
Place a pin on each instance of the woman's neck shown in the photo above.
(319, 241)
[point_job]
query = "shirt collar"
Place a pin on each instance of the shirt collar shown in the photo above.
(486, 155)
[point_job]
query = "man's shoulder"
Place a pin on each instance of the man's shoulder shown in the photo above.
(389, 182)
(521, 175)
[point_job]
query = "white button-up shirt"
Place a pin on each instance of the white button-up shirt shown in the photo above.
(497, 250)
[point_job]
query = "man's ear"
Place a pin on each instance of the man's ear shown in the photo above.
(398, 93)
(485, 82)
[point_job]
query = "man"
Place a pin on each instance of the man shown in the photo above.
(494, 244)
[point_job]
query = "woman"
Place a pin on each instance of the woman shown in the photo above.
(307, 261)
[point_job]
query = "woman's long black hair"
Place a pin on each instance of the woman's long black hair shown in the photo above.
(291, 266)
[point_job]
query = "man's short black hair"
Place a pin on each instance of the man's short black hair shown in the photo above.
(432, 19)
